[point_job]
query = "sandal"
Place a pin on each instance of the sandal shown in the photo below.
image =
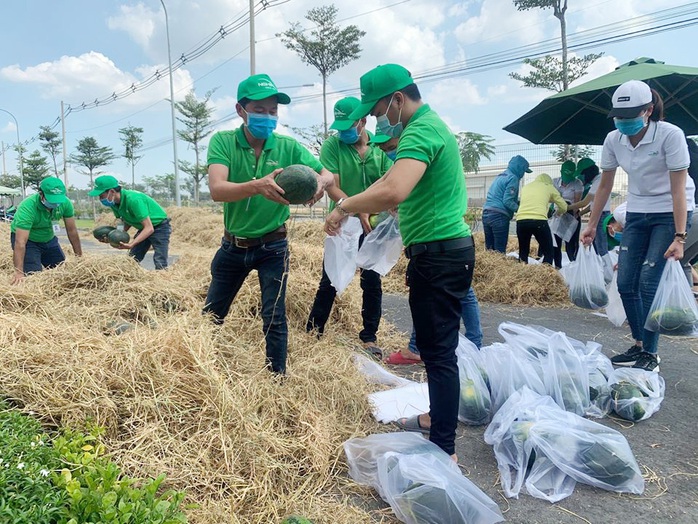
(411, 424)
(397, 359)
(374, 352)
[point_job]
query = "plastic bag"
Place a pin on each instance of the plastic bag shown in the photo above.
(674, 310)
(341, 252)
(566, 376)
(475, 406)
(599, 368)
(615, 310)
(381, 248)
(534, 339)
(405, 401)
(636, 394)
(563, 226)
(422, 489)
(377, 374)
(585, 280)
(607, 264)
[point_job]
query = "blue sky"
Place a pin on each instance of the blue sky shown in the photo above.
(87, 49)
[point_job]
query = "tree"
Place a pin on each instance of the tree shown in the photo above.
(11, 181)
(51, 144)
(474, 146)
(567, 152)
(311, 137)
(131, 138)
(327, 49)
(196, 117)
(36, 168)
(91, 156)
(161, 187)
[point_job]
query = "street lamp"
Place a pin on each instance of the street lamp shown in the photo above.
(19, 151)
(178, 200)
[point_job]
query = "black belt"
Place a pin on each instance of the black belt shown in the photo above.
(440, 246)
(245, 243)
(166, 221)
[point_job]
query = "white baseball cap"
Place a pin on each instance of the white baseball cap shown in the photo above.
(630, 98)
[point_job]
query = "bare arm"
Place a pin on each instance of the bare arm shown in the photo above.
(222, 190)
(21, 238)
(73, 235)
(582, 203)
(143, 234)
(678, 196)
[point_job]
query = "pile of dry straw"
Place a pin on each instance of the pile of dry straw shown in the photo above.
(101, 339)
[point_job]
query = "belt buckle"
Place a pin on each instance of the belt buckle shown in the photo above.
(237, 243)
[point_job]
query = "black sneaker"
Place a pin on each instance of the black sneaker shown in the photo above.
(647, 361)
(628, 358)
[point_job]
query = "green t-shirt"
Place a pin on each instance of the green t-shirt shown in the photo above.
(435, 208)
(135, 207)
(32, 216)
(255, 216)
(355, 173)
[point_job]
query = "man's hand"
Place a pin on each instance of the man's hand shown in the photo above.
(588, 235)
(325, 180)
(17, 277)
(125, 245)
(333, 223)
(675, 250)
(365, 224)
(269, 189)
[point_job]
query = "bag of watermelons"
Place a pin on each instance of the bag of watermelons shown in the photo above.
(599, 368)
(585, 279)
(340, 254)
(636, 394)
(381, 248)
(422, 489)
(475, 406)
(674, 310)
(565, 375)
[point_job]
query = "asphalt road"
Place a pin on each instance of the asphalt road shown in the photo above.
(664, 445)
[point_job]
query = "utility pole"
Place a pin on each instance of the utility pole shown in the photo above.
(4, 168)
(178, 200)
(19, 151)
(65, 157)
(252, 52)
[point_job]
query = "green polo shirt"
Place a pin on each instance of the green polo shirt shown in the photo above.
(435, 208)
(135, 207)
(355, 173)
(255, 216)
(32, 216)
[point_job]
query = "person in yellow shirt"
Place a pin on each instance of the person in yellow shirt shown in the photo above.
(532, 217)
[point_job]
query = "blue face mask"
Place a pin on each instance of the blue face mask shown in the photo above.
(350, 136)
(48, 205)
(261, 126)
(630, 126)
(107, 202)
(391, 154)
(384, 126)
(618, 237)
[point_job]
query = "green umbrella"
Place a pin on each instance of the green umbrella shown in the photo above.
(579, 115)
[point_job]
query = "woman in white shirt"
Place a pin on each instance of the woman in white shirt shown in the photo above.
(655, 156)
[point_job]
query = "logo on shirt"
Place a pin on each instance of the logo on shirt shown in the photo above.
(271, 162)
(653, 153)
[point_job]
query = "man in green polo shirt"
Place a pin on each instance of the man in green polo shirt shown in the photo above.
(357, 165)
(34, 227)
(387, 144)
(242, 165)
(428, 184)
(141, 212)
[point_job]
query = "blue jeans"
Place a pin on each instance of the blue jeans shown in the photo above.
(601, 238)
(230, 267)
(160, 240)
(438, 282)
(470, 313)
(646, 237)
(496, 226)
(39, 255)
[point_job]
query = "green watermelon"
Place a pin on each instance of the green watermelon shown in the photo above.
(376, 219)
(673, 321)
(101, 232)
(596, 299)
(299, 183)
(474, 407)
(294, 519)
(627, 401)
(606, 464)
(116, 237)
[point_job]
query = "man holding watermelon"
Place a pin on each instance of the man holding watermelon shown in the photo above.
(357, 164)
(428, 184)
(141, 212)
(242, 166)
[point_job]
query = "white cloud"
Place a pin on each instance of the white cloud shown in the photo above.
(454, 92)
(138, 21)
(499, 20)
(603, 65)
(10, 127)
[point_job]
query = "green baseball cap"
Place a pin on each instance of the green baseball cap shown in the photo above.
(103, 183)
(379, 138)
(380, 81)
(258, 87)
(583, 164)
(53, 189)
(342, 112)
(567, 170)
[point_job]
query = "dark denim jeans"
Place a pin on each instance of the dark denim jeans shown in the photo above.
(371, 307)
(230, 267)
(438, 282)
(470, 313)
(646, 237)
(160, 240)
(496, 226)
(541, 231)
(601, 238)
(39, 255)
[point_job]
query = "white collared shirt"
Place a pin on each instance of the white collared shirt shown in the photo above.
(663, 149)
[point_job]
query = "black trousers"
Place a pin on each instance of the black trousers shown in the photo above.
(539, 229)
(572, 247)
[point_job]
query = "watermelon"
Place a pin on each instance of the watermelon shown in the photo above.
(673, 321)
(596, 297)
(606, 464)
(116, 237)
(101, 232)
(376, 219)
(474, 407)
(294, 519)
(627, 401)
(299, 183)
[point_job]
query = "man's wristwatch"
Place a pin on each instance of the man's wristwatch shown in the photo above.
(682, 236)
(341, 209)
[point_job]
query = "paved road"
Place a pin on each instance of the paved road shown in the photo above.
(665, 445)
